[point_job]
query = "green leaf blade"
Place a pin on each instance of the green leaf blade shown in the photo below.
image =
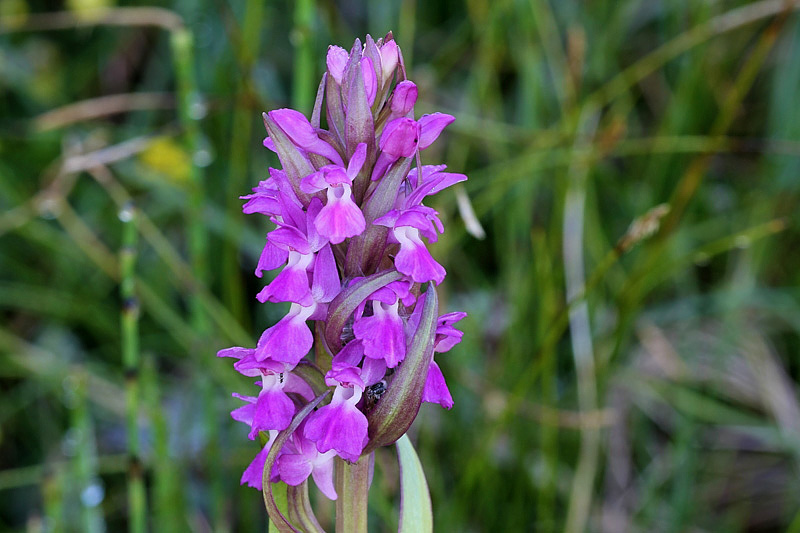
(416, 513)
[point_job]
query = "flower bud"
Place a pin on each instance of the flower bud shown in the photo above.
(337, 61)
(389, 59)
(400, 138)
(404, 98)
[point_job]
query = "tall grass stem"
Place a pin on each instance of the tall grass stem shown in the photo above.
(129, 321)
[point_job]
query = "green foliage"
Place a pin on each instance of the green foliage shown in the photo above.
(655, 388)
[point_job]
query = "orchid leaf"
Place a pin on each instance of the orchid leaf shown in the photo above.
(416, 515)
(397, 409)
(300, 511)
(280, 498)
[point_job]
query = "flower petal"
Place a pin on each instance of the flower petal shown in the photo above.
(436, 390)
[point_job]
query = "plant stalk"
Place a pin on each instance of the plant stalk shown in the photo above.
(352, 488)
(137, 497)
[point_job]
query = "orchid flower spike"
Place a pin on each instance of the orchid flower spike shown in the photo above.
(348, 366)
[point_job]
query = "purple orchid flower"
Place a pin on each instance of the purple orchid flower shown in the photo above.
(340, 425)
(403, 136)
(413, 258)
(382, 332)
(340, 218)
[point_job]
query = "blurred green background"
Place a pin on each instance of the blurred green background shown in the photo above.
(625, 367)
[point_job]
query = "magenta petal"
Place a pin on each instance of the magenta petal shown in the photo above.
(302, 133)
(301, 459)
(289, 340)
(431, 126)
(447, 335)
(436, 390)
(326, 284)
(445, 342)
(265, 203)
(292, 212)
(441, 181)
(294, 468)
(425, 219)
(382, 334)
(389, 219)
(335, 175)
(339, 426)
(295, 125)
(348, 376)
(315, 240)
(340, 218)
(400, 137)
(320, 312)
(252, 367)
(427, 172)
(291, 238)
(274, 410)
(370, 80)
(385, 160)
(313, 182)
(244, 413)
(349, 356)
(298, 385)
(291, 285)
(357, 161)
(235, 352)
(414, 260)
(255, 470)
(271, 258)
(323, 475)
(373, 370)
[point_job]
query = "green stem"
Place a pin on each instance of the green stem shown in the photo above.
(85, 465)
(352, 487)
(137, 498)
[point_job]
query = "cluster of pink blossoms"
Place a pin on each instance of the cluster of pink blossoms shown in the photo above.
(350, 224)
